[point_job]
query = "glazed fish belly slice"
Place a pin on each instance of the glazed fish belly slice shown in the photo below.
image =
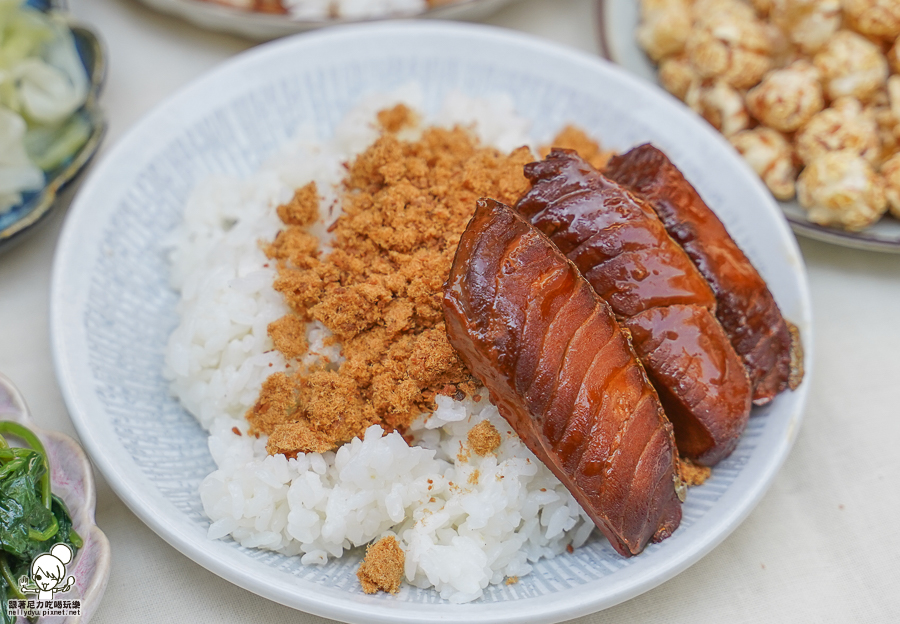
(768, 345)
(563, 374)
(623, 250)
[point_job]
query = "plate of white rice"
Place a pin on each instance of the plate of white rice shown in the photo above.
(161, 297)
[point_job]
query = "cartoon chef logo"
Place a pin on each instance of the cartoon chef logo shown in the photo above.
(48, 573)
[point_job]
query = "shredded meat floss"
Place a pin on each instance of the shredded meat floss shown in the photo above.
(405, 206)
(382, 568)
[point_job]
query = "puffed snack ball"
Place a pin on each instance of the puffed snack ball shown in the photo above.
(851, 65)
(728, 43)
(890, 171)
(885, 110)
(888, 131)
(841, 189)
(886, 123)
(676, 75)
(809, 24)
(787, 98)
(893, 92)
(707, 12)
(843, 126)
(770, 155)
(665, 27)
(893, 57)
(879, 19)
(721, 105)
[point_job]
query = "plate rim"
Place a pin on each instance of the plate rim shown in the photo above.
(259, 25)
(537, 610)
(802, 227)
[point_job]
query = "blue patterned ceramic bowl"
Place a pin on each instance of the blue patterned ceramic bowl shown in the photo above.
(112, 308)
(37, 205)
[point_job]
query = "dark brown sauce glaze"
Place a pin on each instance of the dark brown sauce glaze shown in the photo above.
(623, 250)
(745, 307)
(563, 374)
(618, 243)
(680, 344)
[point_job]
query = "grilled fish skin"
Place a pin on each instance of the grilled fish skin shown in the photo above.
(622, 248)
(745, 307)
(563, 374)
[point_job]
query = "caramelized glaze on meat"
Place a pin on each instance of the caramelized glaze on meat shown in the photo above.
(746, 308)
(563, 374)
(618, 243)
(700, 379)
(623, 250)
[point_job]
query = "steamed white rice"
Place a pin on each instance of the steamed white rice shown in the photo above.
(463, 520)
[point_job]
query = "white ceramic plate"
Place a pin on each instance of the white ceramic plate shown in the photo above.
(256, 25)
(112, 308)
(618, 20)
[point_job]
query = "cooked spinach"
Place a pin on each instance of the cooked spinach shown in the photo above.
(32, 518)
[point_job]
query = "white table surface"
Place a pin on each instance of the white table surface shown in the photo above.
(822, 546)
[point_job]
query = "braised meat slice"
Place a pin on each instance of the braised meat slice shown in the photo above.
(623, 250)
(701, 381)
(745, 307)
(616, 241)
(563, 374)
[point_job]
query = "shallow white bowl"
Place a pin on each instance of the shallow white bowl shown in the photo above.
(112, 308)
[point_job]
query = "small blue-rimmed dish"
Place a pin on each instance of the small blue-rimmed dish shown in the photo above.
(37, 205)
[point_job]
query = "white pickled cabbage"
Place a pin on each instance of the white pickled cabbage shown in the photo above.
(48, 95)
(17, 173)
(42, 84)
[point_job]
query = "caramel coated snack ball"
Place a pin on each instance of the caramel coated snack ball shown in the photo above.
(787, 98)
(841, 189)
(770, 155)
(844, 126)
(851, 65)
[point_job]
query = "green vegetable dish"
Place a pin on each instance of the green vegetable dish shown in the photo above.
(32, 518)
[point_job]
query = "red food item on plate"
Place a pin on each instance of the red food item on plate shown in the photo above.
(770, 350)
(563, 374)
(623, 250)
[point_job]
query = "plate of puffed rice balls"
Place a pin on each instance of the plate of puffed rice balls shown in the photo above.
(807, 91)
